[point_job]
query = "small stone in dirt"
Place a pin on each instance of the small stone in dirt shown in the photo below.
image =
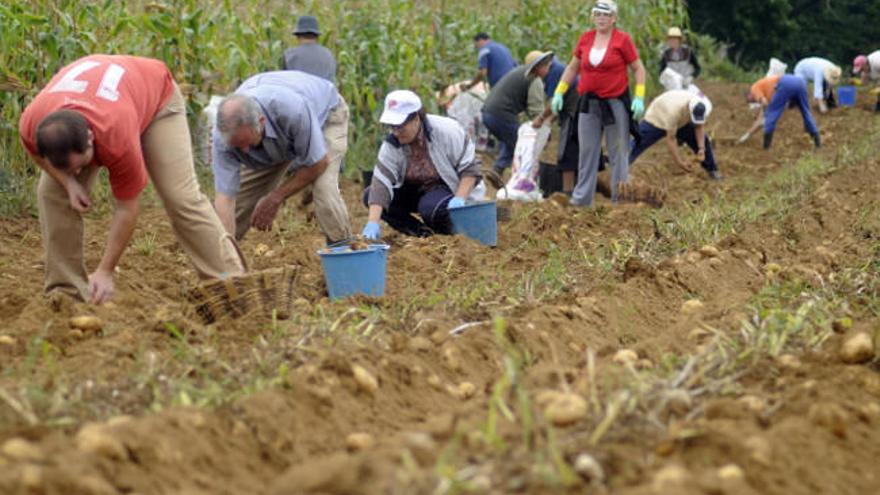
(86, 323)
(760, 450)
(789, 361)
(450, 356)
(357, 442)
(841, 325)
(6, 340)
(435, 382)
(420, 344)
(364, 379)
(589, 468)
(566, 410)
(710, 251)
(466, 390)
(831, 416)
(693, 257)
(731, 473)
(31, 477)
(692, 306)
(670, 479)
(715, 262)
(857, 349)
(20, 449)
(76, 334)
(95, 439)
(441, 427)
(625, 356)
(678, 402)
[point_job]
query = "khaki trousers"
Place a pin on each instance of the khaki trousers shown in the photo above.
(330, 209)
(168, 154)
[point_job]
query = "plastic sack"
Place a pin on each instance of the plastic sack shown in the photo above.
(777, 68)
(523, 183)
(205, 130)
(671, 79)
(465, 108)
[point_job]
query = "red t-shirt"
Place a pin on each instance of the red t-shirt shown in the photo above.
(609, 79)
(119, 96)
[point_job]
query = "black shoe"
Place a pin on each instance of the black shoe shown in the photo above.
(817, 140)
(714, 175)
(768, 140)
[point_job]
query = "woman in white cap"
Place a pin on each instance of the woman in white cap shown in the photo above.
(824, 75)
(426, 165)
(680, 58)
(679, 116)
(868, 66)
(602, 58)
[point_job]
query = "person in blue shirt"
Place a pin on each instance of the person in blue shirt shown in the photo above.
(494, 60)
(567, 151)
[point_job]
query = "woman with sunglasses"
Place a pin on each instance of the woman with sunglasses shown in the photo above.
(426, 165)
(602, 57)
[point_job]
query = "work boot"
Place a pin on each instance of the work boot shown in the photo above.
(768, 140)
(714, 175)
(817, 140)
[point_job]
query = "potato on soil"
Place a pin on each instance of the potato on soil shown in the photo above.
(6, 340)
(670, 479)
(589, 468)
(357, 442)
(857, 349)
(566, 410)
(86, 323)
(710, 251)
(692, 306)
(625, 356)
(365, 380)
(96, 439)
(21, 450)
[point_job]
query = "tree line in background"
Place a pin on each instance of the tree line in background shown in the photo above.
(756, 30)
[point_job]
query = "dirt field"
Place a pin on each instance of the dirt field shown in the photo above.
(695, 348)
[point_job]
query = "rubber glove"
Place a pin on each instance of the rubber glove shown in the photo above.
(556, 103)
(371, 231)
(456, 202)
(638, 107)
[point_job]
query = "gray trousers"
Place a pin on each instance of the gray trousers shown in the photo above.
(590, 130)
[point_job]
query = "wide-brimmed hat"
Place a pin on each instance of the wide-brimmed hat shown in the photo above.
(699, 107)
(832, 74)
(399, 105)
(535, 58)
(605, 6)
(674, 32)
(307, 24)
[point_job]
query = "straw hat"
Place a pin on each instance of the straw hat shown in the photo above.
(536, 58)
(674, 32)
(832, 74)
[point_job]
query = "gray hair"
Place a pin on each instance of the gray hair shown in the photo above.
(236, 111)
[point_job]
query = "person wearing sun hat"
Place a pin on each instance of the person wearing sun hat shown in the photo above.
(426, 165)
(774, 94)
(309, 55)
(824, 75)
(602, 57)
(519, 91)
(679, 116)
(680, 57)
(868, 66)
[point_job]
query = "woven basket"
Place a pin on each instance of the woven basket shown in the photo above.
(255, 294)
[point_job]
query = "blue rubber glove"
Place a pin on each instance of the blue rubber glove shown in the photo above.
(456, 202)
(638, 107)
(556, 103)
(371, 231)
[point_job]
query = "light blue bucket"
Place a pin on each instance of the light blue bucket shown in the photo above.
(479, 221)
(350, 272)
(847, 96)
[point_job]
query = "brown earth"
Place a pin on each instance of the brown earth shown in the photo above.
(268, 406)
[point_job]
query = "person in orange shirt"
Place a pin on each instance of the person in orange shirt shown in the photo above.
(774, 94)
(126, 114)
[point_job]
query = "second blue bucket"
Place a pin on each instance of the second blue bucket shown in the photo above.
(479, 221)
(847, 96)
(350, 272)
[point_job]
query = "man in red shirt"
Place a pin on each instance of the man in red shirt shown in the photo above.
(124, 113)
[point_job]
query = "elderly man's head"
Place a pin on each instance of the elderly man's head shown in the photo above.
(240, 122)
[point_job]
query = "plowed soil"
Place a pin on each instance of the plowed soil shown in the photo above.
(157, 402)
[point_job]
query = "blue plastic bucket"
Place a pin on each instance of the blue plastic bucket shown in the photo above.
(350, 272)
(847, 96)
(479, 221)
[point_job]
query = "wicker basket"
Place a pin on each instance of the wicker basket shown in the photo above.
(255, 294)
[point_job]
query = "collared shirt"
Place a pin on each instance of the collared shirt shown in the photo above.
(874, 63)
(497, 60)
(296, 106)
(609, 79)
(516, 93)
(670, 111)
(312, 58)
(812, 69)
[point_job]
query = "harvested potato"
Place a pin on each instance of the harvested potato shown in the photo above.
(566, 410)
(857, 349)
(359, 246)
(86, 323)
(365, 380)
(96, 439)
(692, 306)
(6, 340)
(625, 356)
(710, 251)
(357, 442)
(670, 479)
(730, 473)
(589, 468)
(789, 361)
(21, 450)
(466, 390)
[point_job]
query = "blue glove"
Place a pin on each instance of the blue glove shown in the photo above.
(556, 103)
(456, 202)
(371, 231)
(638, 107)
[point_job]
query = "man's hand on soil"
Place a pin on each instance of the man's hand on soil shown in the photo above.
(745, 137)
(78, 196)
(701, 156)
(264, 213)
(101, 286)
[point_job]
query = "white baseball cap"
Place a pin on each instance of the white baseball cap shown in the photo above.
(605, 7)
(399, 105)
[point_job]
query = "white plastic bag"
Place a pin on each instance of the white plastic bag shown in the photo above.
(777, 68)
(205, 130)
(523, 183)
(671, 79)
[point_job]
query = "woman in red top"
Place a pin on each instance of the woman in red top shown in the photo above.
(601, 58)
